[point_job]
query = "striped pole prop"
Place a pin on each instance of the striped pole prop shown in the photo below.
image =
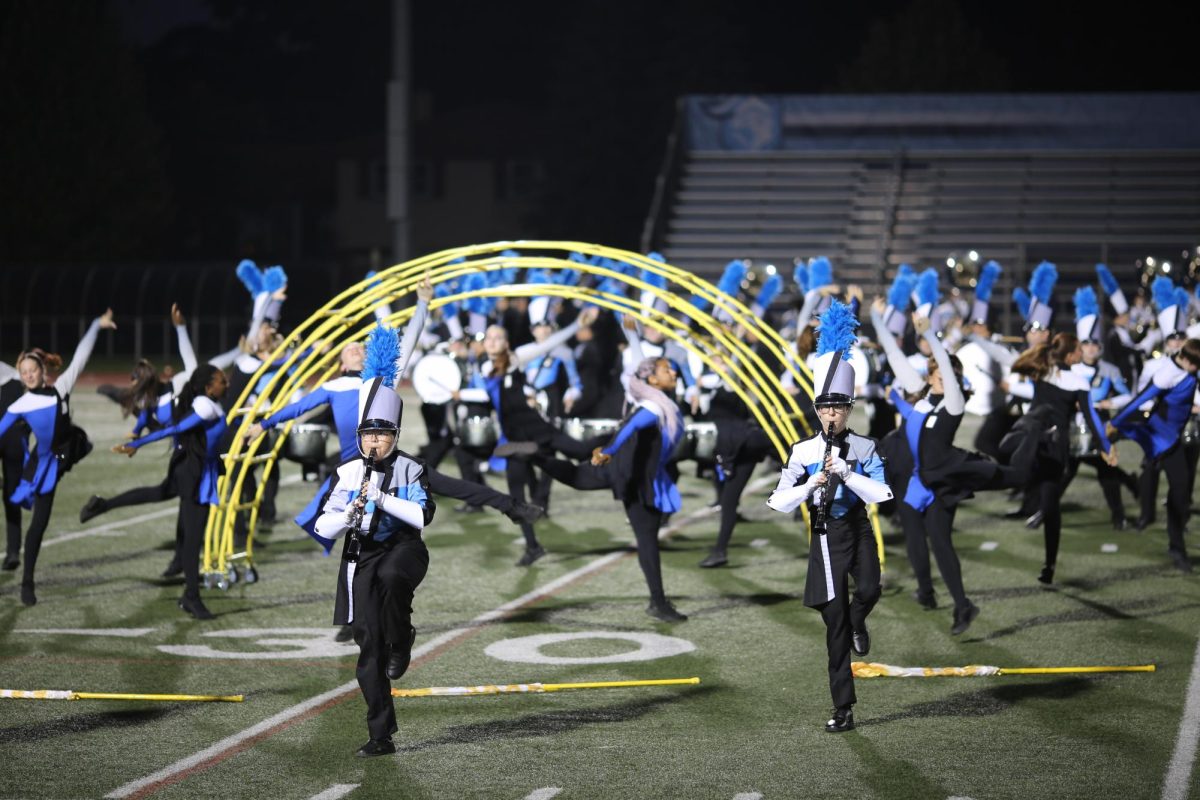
(864, 669)
(537, 688)
(68, 694)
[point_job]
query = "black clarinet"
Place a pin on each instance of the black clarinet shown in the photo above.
(354, 541)
(821, 509)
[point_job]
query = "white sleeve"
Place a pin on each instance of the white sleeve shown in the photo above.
(869, 489)
(225, 360)
(331, 524)
(7, 373)
(952, 392)
(185, 351)
(792, 488)
(474, 396)
(806, 311)
(406, 511)
(1021, 388)
(999, 354)
(66, 381)
(412, 332)
(908, 378)
(528, 352)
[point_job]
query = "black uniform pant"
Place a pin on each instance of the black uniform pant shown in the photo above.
(932, 528)
(995, 425)
(471, 493)
(520, 473)
(1110, 479)
(12, 456)
(43, 504)
(853, 554)
(1048, 488)
(1174, 465)
(737, 474)
(385, 579)
(193, 518)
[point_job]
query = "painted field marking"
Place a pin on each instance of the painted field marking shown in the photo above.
(115, 528)
(989, 546)
(544, 793)
(760, 542)
(1179, 774)
(231, 745)
(336, 791)
(124, 633)
(748, 796)
(1108, 548)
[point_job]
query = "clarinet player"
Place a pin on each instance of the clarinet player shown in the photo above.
(837, 472)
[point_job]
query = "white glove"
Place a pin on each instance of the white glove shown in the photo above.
(839, 467)
(691, 392)
(373, 493)
(351, 515)
(813, 483)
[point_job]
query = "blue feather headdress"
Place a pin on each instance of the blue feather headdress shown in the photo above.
(274, 279)
(654, 279)
(902, 289)
(578, 258)
(251, 276)
(654, 255)
(731, 279)
(987, 280)
(383, 351)
(800, 276)
(1181, 298)
(569, 277)
(835, 332)
(1022, 299)
(1163, 292)
(1108, 281)
(820, 272)
(1086, 304)
(1041, 285)
(770, 290)
(927, 288)
(537, 275)
(476, 282)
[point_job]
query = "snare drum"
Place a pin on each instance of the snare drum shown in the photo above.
(478, 432)
(1082, 442)
(306, 443)
(699, 442)
(1191, 431)
(587, 429)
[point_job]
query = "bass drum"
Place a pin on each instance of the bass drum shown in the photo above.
(587, 429)
(699, 442)
(306, 443)
(436, 377)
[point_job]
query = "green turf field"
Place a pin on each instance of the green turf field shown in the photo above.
(753, 727)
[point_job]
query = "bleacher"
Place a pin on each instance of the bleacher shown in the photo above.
(872, 209)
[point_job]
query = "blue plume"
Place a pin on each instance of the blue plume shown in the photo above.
(1041, 285)
(274, 279)
(906, 269)
(1085, 303)
(1198, 291)
(987, 279)
(820, 272)
(569, 277)
(612, 287)
(477, 305)
(1181, 297)
(510, 253)
(731, 280)
(383, 350)
(537, 276)
(835, 333)
(927, 287)
(1023, 300)
(1163, 292)
(654, 279)
(578, 258)
(1107, 280)
(372, 274)
(770, 290)
(250, 276)
(902, 289)
(501, 277)
(656, 256)
(800, 276)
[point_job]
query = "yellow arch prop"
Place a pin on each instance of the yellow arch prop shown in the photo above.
(310, 355)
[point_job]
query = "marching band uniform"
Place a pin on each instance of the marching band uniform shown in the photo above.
(854, 475)
(381, 513)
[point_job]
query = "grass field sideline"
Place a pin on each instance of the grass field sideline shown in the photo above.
(753, 727)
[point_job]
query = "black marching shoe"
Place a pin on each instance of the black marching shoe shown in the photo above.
(963, 618)
(376, 747)
(716, 558)
(860, 642)
(344, 634)
(399, 656)
(1035, 520)
(467, 508)
(841, 721)
(1119, 522)
(531, 555)
(1143, 523)
(173, 570)
(926, 601)
(11, 562)
(196, 607)
(1181, 562)
(1047, 575)
(525, 512)
(93, 507)
(28, 598)
(663, 610)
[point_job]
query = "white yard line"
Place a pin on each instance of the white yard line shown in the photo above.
(114, 528)
(176, 771)
(1179, 774)
(338, 790)
(544, 793)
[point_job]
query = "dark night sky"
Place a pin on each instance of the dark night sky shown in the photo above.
(204, 108)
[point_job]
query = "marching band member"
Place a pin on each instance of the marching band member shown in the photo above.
(380, 504)
(46, 411)
(836, 472)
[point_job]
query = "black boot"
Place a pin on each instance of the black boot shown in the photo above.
(716, 558)
(93, 507)
(663, 610)
(195, 606)
(399, 657)
(11, 562)
(376, 747)
(1047, 575)
(531, 555)
(963, 617)
(27, 596)
(525, 512)
(841, 721)
(344, 634)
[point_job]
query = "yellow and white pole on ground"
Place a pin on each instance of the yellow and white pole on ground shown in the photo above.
(310, 353)
(864, 669)
(535, 688)
(68, 694)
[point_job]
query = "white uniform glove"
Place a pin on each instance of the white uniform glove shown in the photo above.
(351, 515)
(839, 467)
(373, 493)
